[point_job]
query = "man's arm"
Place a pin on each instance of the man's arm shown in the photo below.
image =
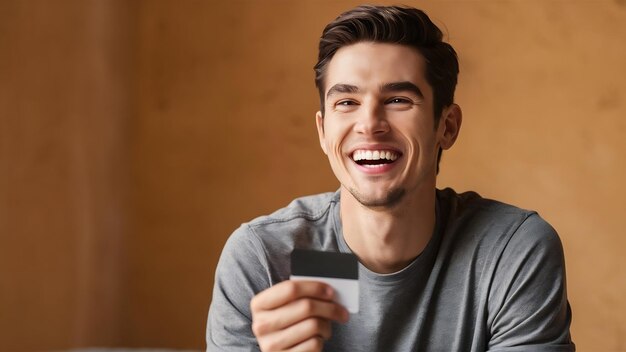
(528, 308)
(241, 273)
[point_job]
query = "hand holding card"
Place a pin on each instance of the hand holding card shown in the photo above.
(339, 270)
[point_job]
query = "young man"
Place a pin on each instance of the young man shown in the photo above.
(438, 271)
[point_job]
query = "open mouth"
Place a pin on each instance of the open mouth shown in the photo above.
(374, 158)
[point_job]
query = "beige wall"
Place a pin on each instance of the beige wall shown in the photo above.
(64, 109)
(135, 138)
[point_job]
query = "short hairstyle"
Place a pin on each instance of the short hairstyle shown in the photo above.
(394, 25)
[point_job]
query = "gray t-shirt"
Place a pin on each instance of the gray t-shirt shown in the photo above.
(492, 278)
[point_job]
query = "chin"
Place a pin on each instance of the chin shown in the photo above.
(386, 200)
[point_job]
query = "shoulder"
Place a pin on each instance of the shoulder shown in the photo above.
(300, 212)
(471, 214)
(473, 204)
(307, 208)
(306, 222)
(302, 215)
(495, 231)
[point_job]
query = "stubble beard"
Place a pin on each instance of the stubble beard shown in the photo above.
(389, 200)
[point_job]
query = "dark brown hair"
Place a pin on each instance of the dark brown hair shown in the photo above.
(396, 25)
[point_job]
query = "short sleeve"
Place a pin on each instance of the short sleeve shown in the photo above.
(528, 308)
(241, 273)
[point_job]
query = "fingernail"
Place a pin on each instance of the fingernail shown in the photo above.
(330, 292)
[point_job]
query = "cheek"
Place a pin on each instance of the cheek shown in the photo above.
(336, 135)
(419, 137)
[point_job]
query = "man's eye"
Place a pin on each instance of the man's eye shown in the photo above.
(399, 101)
(346, 103)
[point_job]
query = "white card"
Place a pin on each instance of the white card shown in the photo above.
(339, 270)
(346, 290)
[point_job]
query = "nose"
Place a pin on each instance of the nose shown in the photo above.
(371, 120)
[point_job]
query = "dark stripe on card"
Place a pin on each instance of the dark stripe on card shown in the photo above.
(306, 262)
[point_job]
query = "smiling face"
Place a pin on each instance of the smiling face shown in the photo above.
(378, 128)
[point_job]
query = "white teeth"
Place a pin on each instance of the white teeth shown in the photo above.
(374, 155)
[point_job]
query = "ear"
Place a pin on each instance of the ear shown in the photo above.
(319, 121)
(449, 126)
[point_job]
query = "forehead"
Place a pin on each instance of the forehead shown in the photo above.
(369, 65)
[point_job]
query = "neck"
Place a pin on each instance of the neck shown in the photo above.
(388, 239)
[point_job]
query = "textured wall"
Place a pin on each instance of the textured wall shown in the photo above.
(64, 108)
(133, 141)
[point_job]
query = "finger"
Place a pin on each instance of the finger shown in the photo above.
(265, 322)
(296, 334)
(289, 290)
(314, 344)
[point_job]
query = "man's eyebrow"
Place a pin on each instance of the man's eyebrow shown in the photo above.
(342, 88)
(402, 87)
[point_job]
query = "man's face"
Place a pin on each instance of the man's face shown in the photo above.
(378, 129)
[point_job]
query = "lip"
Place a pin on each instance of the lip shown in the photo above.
(378, 170)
